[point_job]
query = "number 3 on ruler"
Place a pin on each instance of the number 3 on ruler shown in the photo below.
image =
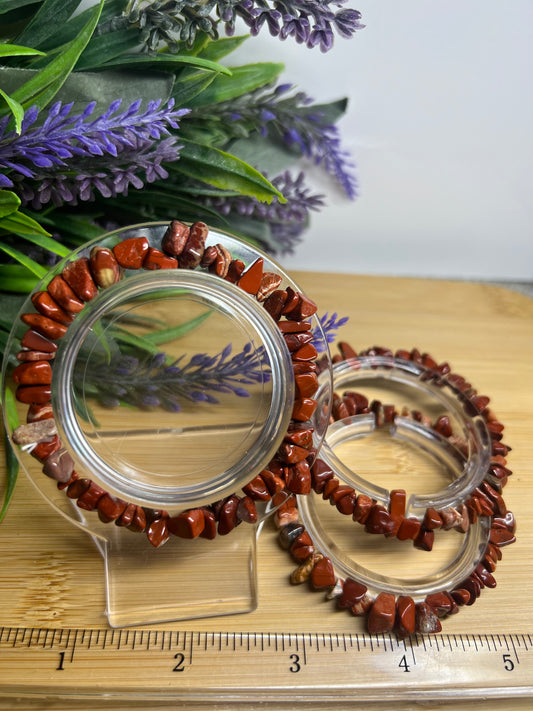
(295, 666)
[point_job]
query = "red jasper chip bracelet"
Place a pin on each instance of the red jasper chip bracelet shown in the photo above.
(80, 281)
(385, 611)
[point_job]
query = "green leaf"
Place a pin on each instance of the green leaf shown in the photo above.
(9, 202)
(185, 90)
(169, 334)
(65, 32)
(104, 87)
(106, 47)
(223, 170)
(331, 111)
(8, 5)
(12, 464)
(17, 50)
(16, 279)
(23, 259)
(16, 109)
(75, 228)
(170, 61)
(11, 306)
(51, 15)
(44, 85)
(48, 243)
(243, 80)
(131, 339)
(218, 49)
(20, 223)
(269, 152)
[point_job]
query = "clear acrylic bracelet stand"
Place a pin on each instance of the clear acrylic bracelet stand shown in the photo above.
(189, 454)
(406, 384)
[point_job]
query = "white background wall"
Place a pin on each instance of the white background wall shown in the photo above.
(440, 125)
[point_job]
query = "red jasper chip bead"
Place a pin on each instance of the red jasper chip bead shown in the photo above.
(303, 409)
(352, 592)
(59, 466)
(104, 267)
(302, 547)
(304, 308)
(187, 524)
(44, 449)
(110, 508)
(194, 247)
(250, 281)
(45, 326)
(77, 488)
(210, 525)
(61, 292)
(90, 497)
(157, 532)
(405, 616)
(362, 508)
(130, 253)
(39, 412)
(323, 575)
(269, 284)
(274, 303)
(273, 482)
(34, 394)
(427, 621)
(46, 306)
(78, 276)
(32, 356)
(298, 479)
(35, 373)
(382, 614)
(235, 269)
(228, 516)
(257, 489)
(409, 529)
(138, 522)
(155, 259)
(36, 342)
(300, 435)
(246, 510)
(306, 385)
(379, 520)
(432, 519)
(175, 238)
(321, 473)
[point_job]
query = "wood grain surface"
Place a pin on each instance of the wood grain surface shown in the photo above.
(52, 576)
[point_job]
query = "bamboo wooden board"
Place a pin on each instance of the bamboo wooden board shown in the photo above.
(51, 575)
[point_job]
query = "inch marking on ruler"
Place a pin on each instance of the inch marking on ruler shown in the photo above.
(132, 663)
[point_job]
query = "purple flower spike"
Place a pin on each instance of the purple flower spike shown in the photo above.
(287, 221)
(69, 156)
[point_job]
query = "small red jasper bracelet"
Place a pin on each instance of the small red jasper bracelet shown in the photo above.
(385, 611)
(81, 281)
(485, 499)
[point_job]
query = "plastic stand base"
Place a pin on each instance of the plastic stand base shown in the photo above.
(182, 580)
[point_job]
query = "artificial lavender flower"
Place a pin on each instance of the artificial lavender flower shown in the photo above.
(310, 22)
(292, 118)
(287, 220)
(152, 382)
(330, 326)
(67, 156)
(105, 175)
